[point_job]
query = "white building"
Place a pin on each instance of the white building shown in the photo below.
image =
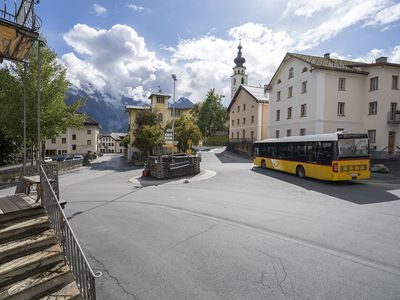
(76, 140)
(248, 110)
(112, 143)
(311, 95)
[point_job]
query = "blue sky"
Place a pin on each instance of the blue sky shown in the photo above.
(131, 47)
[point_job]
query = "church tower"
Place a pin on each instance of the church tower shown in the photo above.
(239, 72)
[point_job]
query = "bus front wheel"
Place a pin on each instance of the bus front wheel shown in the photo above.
(263, 164)
(300, 172)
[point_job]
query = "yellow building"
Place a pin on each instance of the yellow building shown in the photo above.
(160, 105)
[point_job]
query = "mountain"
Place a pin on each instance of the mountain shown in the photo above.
(105, 109)
(109, 111)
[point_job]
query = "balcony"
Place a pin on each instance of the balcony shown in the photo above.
(394, 117)
(242, 140)
(19, 28)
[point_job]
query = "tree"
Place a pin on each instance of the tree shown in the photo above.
(55, 115)
(148, 133)
(9, 150)
(212, 114)
(186, 130)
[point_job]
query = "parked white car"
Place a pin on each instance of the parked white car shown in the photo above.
(47, 159)
(77, 157)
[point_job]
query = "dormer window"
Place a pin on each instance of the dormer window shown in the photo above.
(304, 70)
(279, 81)
(242, 80)
(290, 73)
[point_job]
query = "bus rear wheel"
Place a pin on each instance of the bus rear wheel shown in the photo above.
(300, 172)
(263, 164)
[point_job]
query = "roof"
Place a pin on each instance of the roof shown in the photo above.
(139, 107)
(257, 93)
(325, 63)
(117, 136)
(159, 93)
(90, 121)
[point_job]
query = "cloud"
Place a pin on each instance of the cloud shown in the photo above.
(114, 61)
(99, 10)
(387, 15)
(136, 7)
(307, 8)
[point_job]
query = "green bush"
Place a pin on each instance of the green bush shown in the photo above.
(216, 140)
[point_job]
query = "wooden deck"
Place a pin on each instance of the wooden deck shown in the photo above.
(16, 203)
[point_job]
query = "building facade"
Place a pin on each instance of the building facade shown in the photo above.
(112, 143)
(312, 95)
(248, 110)
(160, 105)
(76, 140)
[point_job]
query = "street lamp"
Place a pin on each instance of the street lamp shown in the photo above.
(173, 117)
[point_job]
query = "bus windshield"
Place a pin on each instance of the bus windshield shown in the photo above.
(351, 147)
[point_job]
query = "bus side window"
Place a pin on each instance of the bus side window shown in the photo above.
(300, 151)
(257, 150)
(325, 153)
(311, 152)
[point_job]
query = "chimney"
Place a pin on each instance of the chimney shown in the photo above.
(327, 55)
(381, 60)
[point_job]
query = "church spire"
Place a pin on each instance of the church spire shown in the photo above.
(239, 60)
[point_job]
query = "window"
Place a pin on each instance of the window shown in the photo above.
(104, 144)
(304, 70)
(340, 109)
(288, 132)
(242, 80)
(303, 110)
(278, 96)
(373, 84)
(395, 82)
(53, 140)
(340, 129)
(373, 108)
(279, 81)
(252, 134)
(232, 135)
(372, 135)
(302, 131)
(160, 99)
(244, 107)
(278, 115)
(63, 140)
(290, 73)
(238, 108)
(342, 84)
(234, 81)
(74, 137)
(290, 92)
(89, 131)
(244, 133)
(233, 122)
(304, 87)
(89, 142)
(73, 147)
(244, 121)
(160, 117)
(277, 134)
(252, 119)
(237, 134)
(289, 113)
(237, 122)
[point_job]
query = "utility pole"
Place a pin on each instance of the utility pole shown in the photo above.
(24, 83)
(173, 117)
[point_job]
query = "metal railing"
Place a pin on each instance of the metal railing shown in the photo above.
(23, 17)
(394, 116)
(73, 254)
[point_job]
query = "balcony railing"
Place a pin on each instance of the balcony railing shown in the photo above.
(20, 14)
(394, 117)
(242, 140)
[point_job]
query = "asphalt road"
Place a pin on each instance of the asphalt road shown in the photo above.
(243, 234)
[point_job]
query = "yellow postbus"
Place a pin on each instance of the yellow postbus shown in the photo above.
(333, 156)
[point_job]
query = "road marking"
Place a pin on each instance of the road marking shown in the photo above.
(395, 192)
